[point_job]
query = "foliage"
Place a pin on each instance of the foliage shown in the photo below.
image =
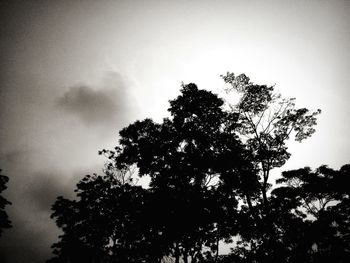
(103, 225)
(209, 169)
(309, 219)
(267, 121)
(189, 157)
(4, 220)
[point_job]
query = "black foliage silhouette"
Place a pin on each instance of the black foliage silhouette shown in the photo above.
(209, 168)
(4, 220)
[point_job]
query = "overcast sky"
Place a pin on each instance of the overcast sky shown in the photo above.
(72, 73)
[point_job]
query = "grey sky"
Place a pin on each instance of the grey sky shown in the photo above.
(74, 72)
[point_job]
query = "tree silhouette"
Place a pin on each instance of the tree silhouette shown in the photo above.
(322, 197)
(209, 168)
(4, 220)
(266, 122)
(105, 223)
(310, 219)
(189, 157)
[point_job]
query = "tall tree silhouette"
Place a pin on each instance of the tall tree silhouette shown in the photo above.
(4, 220)
(266, 122)
(189, 157)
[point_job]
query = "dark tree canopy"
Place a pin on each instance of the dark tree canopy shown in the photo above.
(104, 224)
(4, 220)
(189, 157)
(209, 170)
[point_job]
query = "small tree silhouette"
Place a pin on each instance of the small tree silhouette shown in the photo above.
(4, 220)
(104, 224)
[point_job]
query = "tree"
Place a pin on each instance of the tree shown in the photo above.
(190, 157)
(322, 197)
(4, 220)
(266, 122)
(105, 223)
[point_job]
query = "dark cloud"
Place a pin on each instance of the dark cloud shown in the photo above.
(91, 106)
(32, 190)
(43, 193)
(99, 106)
(45, 151)
(28, 241)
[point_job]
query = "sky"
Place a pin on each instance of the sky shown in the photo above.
(73, 73)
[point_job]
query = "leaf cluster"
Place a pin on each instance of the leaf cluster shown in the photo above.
(4, 219)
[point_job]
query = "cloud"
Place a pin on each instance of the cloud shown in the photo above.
(32, 190)
(50, 140)
(99, 106)
(90, 105)
(49, 137)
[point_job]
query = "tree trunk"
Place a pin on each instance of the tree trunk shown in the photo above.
(217, 249)
(185, 258)
(263, 190)
(185, 255)
(177, 253)
(250, 205)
